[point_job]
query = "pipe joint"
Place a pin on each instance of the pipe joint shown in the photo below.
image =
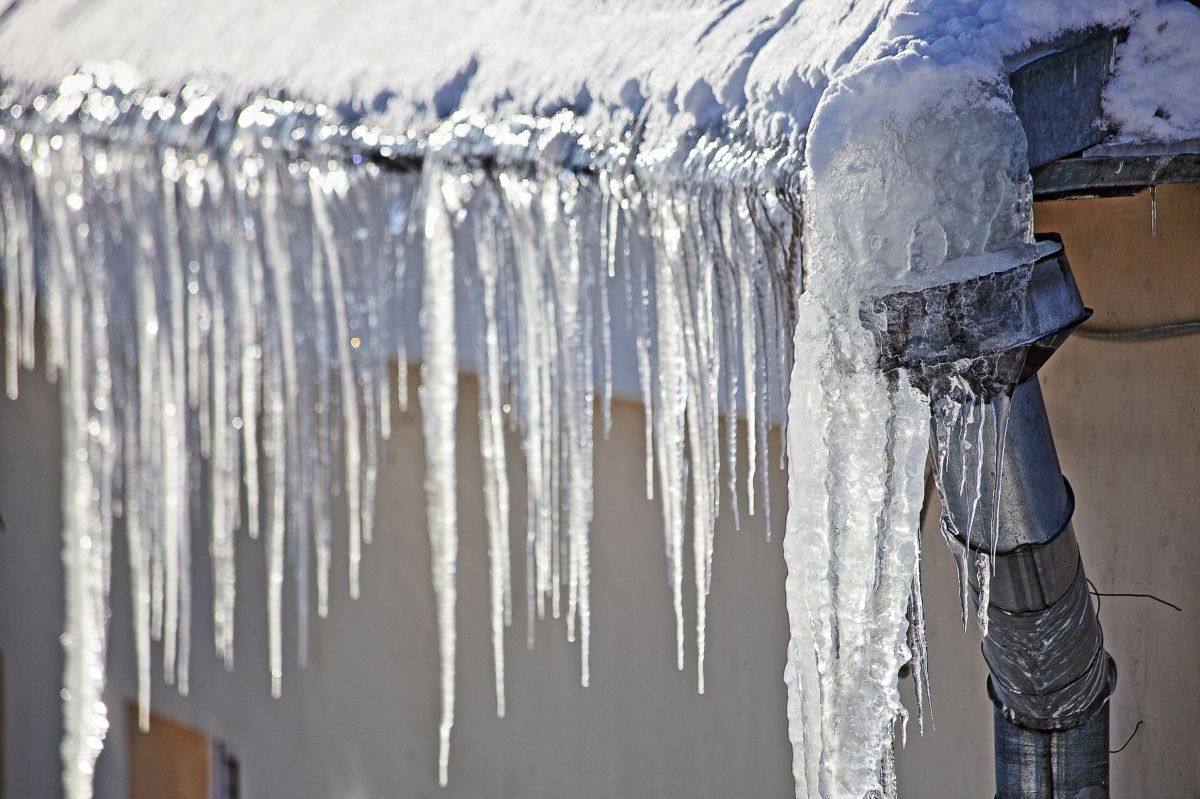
(1033, 576)
(1049, 670)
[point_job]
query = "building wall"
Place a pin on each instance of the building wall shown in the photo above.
(360, 721)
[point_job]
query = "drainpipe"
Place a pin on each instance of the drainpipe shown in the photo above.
(1050, 677)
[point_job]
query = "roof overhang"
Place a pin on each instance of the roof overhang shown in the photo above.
(1058, 90)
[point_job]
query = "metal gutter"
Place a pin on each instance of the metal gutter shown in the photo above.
(1113, 175)
(1058, 90)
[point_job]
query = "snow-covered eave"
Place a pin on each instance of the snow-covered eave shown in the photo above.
(1074, 152)
(759, 119)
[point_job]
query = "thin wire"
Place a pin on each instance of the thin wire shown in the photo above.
(1097, 595)
(1171, 330)
(1136, 727)
(1142, 596)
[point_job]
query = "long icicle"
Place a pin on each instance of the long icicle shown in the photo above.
(491, 441)
(439, 401)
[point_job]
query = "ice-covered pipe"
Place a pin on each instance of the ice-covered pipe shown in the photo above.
(1050, 677)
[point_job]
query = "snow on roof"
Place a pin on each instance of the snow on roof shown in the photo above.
(683, 64)
(1151, 97)
(412, 62)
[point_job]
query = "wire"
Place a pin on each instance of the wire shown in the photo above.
(1136, 727)
(1097, 595)
(1142, 596)
(1171, 330)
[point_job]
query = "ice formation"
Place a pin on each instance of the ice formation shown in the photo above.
(225, 287)
(928, 211)
(173, 275)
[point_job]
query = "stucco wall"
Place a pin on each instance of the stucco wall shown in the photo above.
(361, 720)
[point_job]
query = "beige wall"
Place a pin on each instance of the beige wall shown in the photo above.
(360, 721)
(1127, 417)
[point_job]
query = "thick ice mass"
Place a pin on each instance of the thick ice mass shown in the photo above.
(891, 202)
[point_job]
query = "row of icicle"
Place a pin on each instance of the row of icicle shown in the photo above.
(224, 314)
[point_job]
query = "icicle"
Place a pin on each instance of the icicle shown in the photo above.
(534, 362)
(919, 648)
(28, 285)
(439, 400)
(246, 274)
(585, 366)
(351, 441)
(395, 238)
(640, 306)
(491, 441)
(983, 574)
(319, 430)
(573, 375)
(280, 409)
(670, 405)
(10, 237)
(176, 522)
(138, 535)
(977, 484)
(1154, 212)
(274, 448)
(887, 766)
(863, 521)
(85, 721)
(54, 310)
(207, 390)
(749, 335)
(221, 541)
(695, 302)
(611, 232)
(1001, 407)
(727, 292)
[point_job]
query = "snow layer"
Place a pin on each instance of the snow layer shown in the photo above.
(1152, 97)
(682, 62)
(679, 63)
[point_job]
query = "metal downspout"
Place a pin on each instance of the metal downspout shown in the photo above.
(1050, 677)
